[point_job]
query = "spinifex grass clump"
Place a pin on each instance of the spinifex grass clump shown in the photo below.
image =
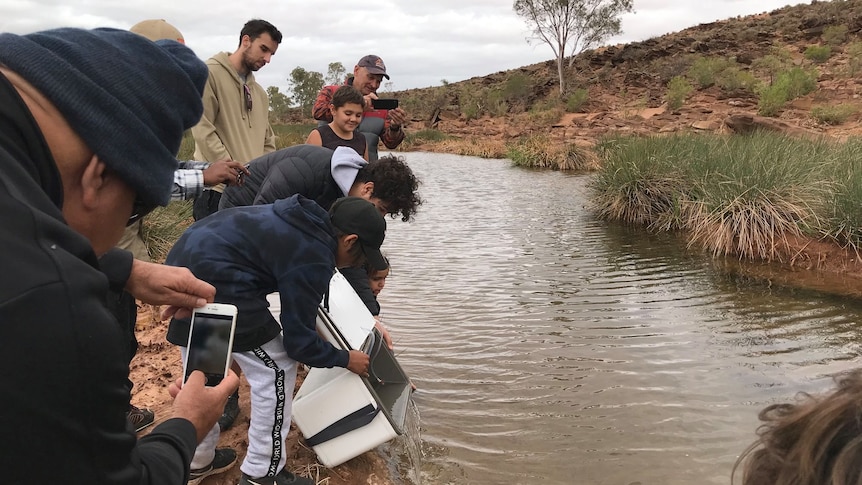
(740, 195)
(471, 147)
(843, 212)
(641, 181)
(163, 226)
(413, 139)
(538, 151)
(753, 192)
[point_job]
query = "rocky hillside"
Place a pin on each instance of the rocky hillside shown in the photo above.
(624, 88)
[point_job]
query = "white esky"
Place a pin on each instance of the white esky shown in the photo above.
(422, 42)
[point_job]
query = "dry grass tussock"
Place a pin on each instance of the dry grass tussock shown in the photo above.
(754, 228)
(474, 147)
(539, 151)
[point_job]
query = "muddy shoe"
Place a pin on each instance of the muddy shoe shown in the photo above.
(224, 459)
(231, 410)
(139, 418)
(284, 477)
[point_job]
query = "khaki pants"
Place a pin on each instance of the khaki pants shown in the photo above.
(133, 242)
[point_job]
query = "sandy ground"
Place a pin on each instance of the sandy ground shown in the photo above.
(157, 364)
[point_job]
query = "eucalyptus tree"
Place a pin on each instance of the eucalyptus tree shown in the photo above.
(304, 86)
(571, 26)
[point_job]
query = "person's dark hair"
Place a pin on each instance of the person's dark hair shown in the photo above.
(256, 27)
(347, 94)
(357, 256)
(394, 184)
(371, 271)
(815, 441)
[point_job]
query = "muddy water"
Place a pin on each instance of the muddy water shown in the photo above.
(549, 347)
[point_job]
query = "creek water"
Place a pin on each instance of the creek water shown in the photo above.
(550, 347)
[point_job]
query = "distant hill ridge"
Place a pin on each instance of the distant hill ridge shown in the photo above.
(624, 87)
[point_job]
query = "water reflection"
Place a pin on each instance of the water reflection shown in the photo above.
(551, 347)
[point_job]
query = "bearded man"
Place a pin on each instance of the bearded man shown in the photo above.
(235, 123)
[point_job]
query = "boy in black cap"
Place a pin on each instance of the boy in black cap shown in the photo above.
(291, 247)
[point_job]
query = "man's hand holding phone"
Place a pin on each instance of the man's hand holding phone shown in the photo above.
(397, 118)
(202, 405)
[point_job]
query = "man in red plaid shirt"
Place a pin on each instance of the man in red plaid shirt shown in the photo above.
(377, 124)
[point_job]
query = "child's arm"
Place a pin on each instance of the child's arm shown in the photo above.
(314, 138)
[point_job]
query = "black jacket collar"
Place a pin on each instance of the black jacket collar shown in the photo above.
(21, 137)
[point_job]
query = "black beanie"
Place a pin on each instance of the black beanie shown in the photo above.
(128, 98)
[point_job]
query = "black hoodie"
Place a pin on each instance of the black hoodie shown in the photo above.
(64, 357)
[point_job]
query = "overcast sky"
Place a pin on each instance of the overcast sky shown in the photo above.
(422, 42)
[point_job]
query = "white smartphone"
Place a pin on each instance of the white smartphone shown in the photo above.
(210, 342)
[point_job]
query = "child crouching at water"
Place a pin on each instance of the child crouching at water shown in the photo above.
(346, 107)
(815, 441)
(377, 277)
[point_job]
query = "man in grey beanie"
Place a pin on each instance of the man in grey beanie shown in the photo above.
(90, 121)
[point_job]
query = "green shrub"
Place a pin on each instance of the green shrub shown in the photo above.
(471, 101)
(788, 85)
(677, 90)
(772, 98)
(818, 53)
(854, 58)
(735, 79)
(518, 88)
(667, 68)
(771, 64)
(422, 103)
(832, 115)
(704, 70)
(799, 81)
(545, 114)
(835, 34)
(576, 101)
(497, 103)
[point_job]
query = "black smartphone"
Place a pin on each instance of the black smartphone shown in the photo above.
(210, 342)
(384, 103)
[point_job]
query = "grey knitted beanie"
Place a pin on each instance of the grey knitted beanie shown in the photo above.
(128, 98)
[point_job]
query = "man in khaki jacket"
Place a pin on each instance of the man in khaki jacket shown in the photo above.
(235, 123)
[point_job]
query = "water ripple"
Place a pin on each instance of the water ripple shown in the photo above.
(548, 346)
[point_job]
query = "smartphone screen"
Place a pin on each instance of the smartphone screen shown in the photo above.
(210, 344)
(384, 103)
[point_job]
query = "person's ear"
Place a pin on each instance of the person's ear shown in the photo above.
(94, 180)
(332, 109)
(245, 41)
(366, 190)
(349, 240)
